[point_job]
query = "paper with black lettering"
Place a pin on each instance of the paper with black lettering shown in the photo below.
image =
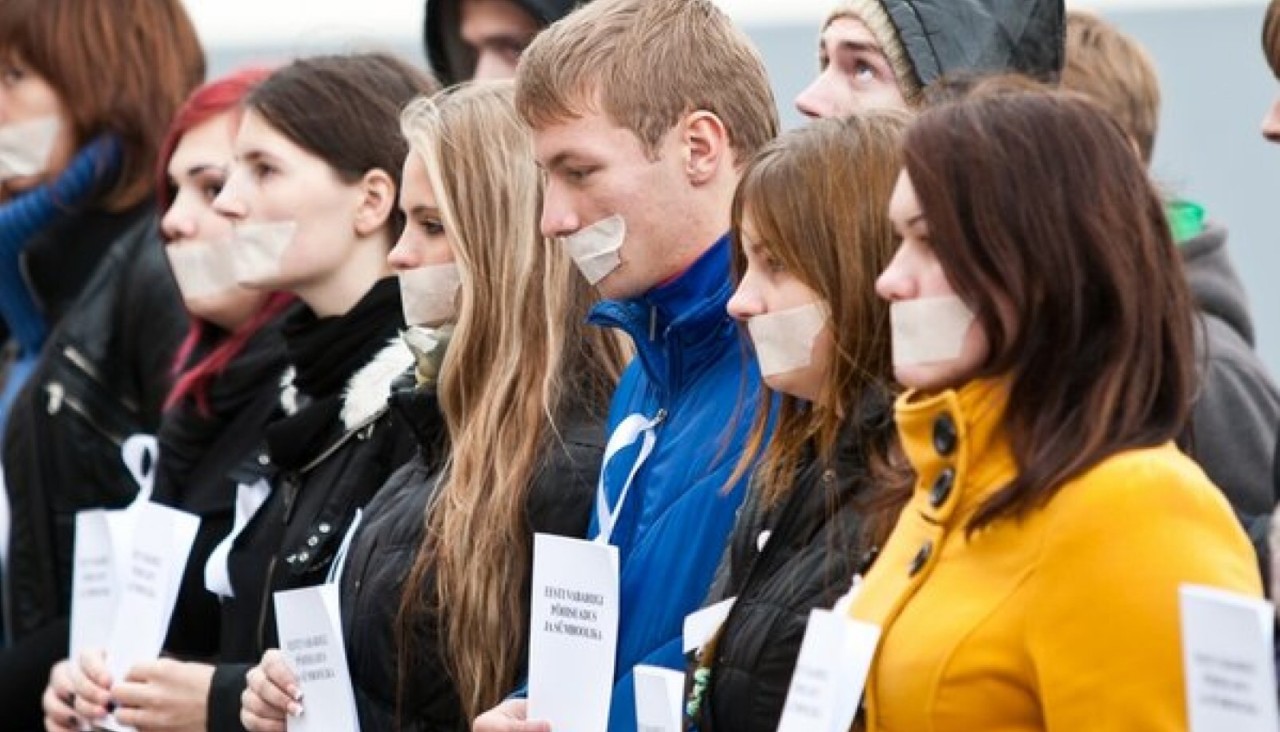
(1228, 661)
(309, 624)
(573, 633)
(831, 671)
(94, 582)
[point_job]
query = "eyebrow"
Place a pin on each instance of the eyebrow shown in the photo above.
(560, 159)
(859, 47)
(423, 211)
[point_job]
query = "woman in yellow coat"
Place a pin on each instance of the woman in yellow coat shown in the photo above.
(1043, 329)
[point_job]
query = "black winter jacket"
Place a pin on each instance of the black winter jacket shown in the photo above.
(103, 376)
(452, 61)
(322, 476)
(782, 563)
(384, 550)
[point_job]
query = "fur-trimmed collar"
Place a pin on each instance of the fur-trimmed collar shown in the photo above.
(367, 390)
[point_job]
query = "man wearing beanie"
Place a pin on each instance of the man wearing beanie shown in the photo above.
(483, 39)
(875, 54)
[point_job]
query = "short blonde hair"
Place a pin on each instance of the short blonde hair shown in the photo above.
(1271, 36)
(1115, 72)
(646, 64)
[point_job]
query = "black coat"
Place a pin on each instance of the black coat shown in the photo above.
(813, 548)
(945, 37)
(559, 502)
(331, 456)
(103, 376)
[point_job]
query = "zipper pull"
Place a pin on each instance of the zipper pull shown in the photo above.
(56, 393)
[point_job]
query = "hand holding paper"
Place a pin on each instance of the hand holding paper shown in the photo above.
(271, 695)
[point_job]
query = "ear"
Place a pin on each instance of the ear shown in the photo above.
(377, 191)
(706, 147)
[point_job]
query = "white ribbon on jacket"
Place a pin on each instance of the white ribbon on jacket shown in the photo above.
(634, 427)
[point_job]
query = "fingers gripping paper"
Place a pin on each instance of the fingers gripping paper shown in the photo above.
(430, 294)
(257, 251)
(25, 146)
(595, 248)
(784, 340)
(202, 269)
(928, 330)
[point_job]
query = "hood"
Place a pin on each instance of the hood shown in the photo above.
(945, 37)
(450, 59)
(1214, 284)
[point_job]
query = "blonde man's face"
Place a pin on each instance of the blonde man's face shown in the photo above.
(854, 74)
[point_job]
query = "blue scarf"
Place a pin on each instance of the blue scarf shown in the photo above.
(22, 218)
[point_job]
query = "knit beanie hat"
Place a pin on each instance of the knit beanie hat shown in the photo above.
(873, 15)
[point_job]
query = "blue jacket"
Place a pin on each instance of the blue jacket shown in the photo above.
(692, 363)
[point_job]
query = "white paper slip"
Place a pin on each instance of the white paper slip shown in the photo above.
(309, 622)
(156, 557)
(93, 583)
(701, 626)
(831, 671)
(1228, 661)
(573, 632)
(659, 692)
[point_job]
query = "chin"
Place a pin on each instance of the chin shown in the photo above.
(928, 377)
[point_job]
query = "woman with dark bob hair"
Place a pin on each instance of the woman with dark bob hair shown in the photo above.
(1042, 327)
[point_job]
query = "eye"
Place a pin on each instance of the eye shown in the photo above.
(774, 264)
(210, 191)
(432, 226)
(263, 171)
(863, 71)
(12, 74)
(577, 175)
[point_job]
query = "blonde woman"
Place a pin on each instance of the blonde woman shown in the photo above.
(521, 396)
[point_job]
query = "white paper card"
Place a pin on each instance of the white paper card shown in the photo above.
(831, 671)
(93, 583)
(573, 632)
(659, 692)
(1228, 661)
(309, 623)
(701, 626)
(154, 561)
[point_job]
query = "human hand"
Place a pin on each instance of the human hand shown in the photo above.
(93, 686)
(271, 694)
(165, 696)
(511, 715)
(59, 698)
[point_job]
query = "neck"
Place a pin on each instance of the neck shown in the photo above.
(338, 291)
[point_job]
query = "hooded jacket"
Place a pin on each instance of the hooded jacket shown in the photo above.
(451, 60)
(944, 37)
(696, 377)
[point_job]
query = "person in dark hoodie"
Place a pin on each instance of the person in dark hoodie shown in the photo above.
(496, 310)
(875, 54)
(483, 39)
(312, 199)
(1237, 408)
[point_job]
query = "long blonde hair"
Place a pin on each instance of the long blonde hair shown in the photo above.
(520, 362)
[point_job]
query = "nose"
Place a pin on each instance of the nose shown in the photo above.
(896, 282)
(1271, 123)
(746, 302)
(229, 202)
(558, 218)
(815, 101)
(492, 66)
(178, 224)
(405, 254)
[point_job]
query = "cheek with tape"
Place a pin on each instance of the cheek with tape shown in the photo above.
(202, 269)
(929, 330)
(25, 147)
(595, 248)
(430, 294)
(257, 251)
(784, 340)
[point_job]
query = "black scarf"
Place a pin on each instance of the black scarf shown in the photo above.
(327, 352)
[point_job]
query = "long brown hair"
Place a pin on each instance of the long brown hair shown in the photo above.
(817, 199)
(1047, 225)
(1271, 36)
(521, 362)
(120, 67)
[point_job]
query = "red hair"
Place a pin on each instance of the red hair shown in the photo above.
(205, 103)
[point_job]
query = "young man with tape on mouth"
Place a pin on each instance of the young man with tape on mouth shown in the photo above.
(881, 54)
(641, 174)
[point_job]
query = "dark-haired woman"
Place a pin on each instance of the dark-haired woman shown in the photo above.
(813, 233)
(1043, 328)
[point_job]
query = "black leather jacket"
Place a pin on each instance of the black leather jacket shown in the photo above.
(103, 376)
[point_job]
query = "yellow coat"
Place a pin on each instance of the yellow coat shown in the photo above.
(1066, 619)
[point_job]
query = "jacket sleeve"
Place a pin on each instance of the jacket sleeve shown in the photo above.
(224, 697)
(152, 323)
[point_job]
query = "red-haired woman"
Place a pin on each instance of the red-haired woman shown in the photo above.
(1042, 325)
(228, 387)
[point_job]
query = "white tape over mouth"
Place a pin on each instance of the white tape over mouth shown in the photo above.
(257, 251)
(929, 330)
(25, 146)
(202, 269)
(784, 340)
(429, 295)
(595, 248)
